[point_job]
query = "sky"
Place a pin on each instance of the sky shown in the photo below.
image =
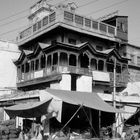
(14, 13)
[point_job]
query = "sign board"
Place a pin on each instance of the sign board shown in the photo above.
(101, 76)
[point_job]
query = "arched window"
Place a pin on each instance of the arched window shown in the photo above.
(84, 60)
(37, 64)
(93, 64)
(43, 61)
(118, 68)
(22, 68)
(49, 61)
(26, 67)
(55, 58)
(100, 65)
(72, 60)
(32, 65)
(110, 65)
(63, 59)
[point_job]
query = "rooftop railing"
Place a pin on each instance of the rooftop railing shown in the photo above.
(68, 18)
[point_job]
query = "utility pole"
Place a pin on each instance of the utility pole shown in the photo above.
(114, 84)
(114, 96)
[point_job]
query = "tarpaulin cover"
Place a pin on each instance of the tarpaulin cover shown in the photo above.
(28, 110)
(88, 99)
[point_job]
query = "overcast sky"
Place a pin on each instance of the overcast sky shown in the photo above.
(14, 13)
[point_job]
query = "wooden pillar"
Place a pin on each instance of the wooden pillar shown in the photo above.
(58, 62)
(77, 63)
(99, 122)
(68, 55)
(39, 59)
(97, 63)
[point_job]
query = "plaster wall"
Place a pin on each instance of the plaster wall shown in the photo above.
(84, 83)
(64, 84)
(8, 72)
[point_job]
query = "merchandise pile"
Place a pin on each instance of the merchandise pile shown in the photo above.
(8, 130)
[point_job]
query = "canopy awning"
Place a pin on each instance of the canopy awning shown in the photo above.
(28, 110)
(53, 99)
(88, 99)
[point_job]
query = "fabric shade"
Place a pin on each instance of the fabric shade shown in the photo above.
(28, 110)
(88, 99)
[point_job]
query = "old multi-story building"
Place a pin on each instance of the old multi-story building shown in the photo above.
(67, 51)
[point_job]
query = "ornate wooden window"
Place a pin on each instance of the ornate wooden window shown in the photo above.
(100, 65)
(42, 61)
(37, 64)
(72, 60)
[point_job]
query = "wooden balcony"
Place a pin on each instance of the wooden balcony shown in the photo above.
(70, 20)
(42, 75)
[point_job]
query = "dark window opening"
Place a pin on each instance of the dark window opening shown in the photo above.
(93, 64)
(72, 60)
(26, 67)
(118, 68)
(22, 68)
(53, 41)
(55, 58)
(32, 65)
(84, 61)
(110, 67)
(101, 65)
(37, 64)
(49, 61)
(72, 41)
(43, 61)
(63, 59)
(99, 48)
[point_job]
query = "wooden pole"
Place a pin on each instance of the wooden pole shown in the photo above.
(114, 97)
(99, 122)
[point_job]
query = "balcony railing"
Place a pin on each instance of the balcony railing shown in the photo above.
(68, 18)
(121, 79)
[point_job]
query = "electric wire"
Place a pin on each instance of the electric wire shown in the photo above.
(87, 3)
(28, 9)
(7, 23)
(13, 15)
(78, 7)
(26, 16)
(112, 5)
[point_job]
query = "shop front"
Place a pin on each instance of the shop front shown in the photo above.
(68, 115)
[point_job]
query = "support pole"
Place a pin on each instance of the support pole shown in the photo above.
(114, 96)
(99, 122)
(114, 84)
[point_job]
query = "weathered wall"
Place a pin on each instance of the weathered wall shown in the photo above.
(84, 83)
(8, 72)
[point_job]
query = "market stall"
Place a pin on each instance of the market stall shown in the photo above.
(68, 114)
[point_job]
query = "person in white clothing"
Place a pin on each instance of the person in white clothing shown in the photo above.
(38, 135)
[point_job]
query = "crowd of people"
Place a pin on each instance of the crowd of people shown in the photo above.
(29, 134)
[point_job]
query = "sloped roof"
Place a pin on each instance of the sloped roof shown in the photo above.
(106, 51)
(77, 48)
(27, 52)
(81, 44)
(43, 45)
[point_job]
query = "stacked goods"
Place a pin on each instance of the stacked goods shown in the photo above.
(8, 130)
